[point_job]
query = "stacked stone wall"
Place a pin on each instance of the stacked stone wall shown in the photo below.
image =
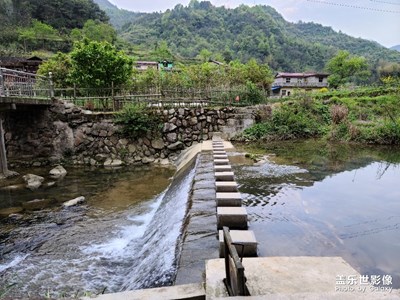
(43, 136)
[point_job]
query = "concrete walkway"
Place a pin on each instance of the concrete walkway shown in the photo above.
(294, 278)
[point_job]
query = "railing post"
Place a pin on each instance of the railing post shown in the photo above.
(112, 95)
(2, 84)
(3, 155)
(74, 93)
(51, 85)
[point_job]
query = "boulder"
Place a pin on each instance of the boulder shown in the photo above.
(74, 202)
(33, 182)
(172, 137)
(168, 127)
(113, 162)
(132, 148)
(164, 162)
(176, 146)
(58, 172)
(147, 160)
(157, 144)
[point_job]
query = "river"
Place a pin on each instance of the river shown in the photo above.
(312, 198)
(124, 237)
(304, 199)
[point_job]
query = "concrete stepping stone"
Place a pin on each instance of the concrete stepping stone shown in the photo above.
(220, 148)
(232, 217)
(219, 152)
(226, 186)
(223, 168)
(224, 176)
(245, 237)
(220, 156)
(228, 199)
(219, 162)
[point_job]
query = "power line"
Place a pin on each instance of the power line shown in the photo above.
(355, 6)
(386, 2)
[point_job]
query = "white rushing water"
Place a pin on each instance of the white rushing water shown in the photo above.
(119, 251)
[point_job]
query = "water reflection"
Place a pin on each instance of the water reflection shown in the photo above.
(327, 200)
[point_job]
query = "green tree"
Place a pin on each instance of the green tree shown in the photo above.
(204, 55)
(38, 32)
(97, 31)
(162, 52)
(346, 68)
(98, 64)
(60, 66)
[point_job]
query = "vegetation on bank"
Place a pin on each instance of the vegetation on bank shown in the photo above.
(367, 115)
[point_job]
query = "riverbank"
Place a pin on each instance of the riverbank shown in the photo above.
(367, 116)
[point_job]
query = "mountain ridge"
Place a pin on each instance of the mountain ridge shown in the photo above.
(397, 48)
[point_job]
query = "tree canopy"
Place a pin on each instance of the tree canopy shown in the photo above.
(346, 68)
(99, 64)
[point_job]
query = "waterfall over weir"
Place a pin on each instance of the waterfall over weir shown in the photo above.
(133, 249)
(157, 257)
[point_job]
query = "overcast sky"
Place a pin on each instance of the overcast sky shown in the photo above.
(377, 20)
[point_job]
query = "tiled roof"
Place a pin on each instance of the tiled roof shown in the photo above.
(301, 75)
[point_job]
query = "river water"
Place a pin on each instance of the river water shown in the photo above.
(124, 237)
(317, 199)
(305, 199)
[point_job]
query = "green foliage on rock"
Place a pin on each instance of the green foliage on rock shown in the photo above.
(99, 64)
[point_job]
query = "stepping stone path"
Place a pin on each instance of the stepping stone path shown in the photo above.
(230, 212)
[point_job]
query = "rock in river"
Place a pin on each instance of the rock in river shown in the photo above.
(33, 182)
(74, 202)
(58, 172)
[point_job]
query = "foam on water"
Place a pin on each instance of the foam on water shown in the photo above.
(126, 234)
(14, 262)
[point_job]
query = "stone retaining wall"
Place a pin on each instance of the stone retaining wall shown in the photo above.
(40, 136)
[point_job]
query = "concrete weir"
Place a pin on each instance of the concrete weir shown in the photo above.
(200, 267)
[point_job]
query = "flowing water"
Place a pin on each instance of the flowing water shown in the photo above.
(316, 199)
(124, 237)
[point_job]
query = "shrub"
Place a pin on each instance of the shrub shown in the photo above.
(291, 120)
(386, 133)
(339, 113)
(137, 120)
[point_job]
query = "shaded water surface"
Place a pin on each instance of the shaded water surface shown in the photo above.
(123, 237)
(317, 199)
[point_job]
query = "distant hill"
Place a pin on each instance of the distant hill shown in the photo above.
(397, 48)
(242, 33)
(118, 17)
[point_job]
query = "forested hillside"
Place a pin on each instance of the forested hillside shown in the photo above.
(246, 32)
(59, 17)
(118, 17)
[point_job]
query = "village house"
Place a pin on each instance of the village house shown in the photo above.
(162, 65)
(285, 84)
(30, 65)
